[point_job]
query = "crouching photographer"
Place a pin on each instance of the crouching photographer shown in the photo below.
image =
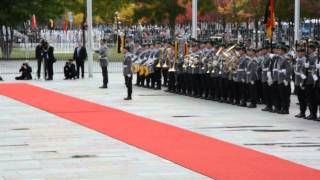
(25, 71)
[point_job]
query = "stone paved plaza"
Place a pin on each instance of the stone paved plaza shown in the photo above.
(38, 145)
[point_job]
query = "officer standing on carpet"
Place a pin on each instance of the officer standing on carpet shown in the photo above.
(127, 72)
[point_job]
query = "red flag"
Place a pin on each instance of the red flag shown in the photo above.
(33, 22)
(65, 25)
(270, 18)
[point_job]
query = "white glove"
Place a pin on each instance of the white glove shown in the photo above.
(129, 75)
(318, 66)
(269, 75)
(285, 82)
(303, 76)
(243, 80)
(252, 82)
(306, 65)
(315, 77)
(284, 71)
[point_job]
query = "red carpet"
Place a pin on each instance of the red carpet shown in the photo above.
(205, 155)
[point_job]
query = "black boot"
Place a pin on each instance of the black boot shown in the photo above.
(300, 115)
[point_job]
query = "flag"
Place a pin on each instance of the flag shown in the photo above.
(33, 22)
(65, 24)
(270, 19)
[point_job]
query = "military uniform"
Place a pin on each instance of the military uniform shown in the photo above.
(252, 79)
(311, 79)
(300, 76)
(127, 73)
(284, 85)
(266, 80)
(241, 78)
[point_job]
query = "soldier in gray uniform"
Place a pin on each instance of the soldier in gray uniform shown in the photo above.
(274, 81)
(171, 71)
(284, 80)
(179, 65)
(266, 78)
(156, 75)
(252, 78)
(311, 81)
(300, 76)
(103, 52)
(164, 61)
(207, 70)
(241, 76)
(189, 71)
(127, 72)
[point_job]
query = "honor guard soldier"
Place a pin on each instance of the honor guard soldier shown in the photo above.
(311, 80)
(252, 78)
(208, 58)
(171, 71)
(266, 78)
(299, 82)
(164, 64)
(179, 65)
(284, 79)
(241, 75)
(156, 75)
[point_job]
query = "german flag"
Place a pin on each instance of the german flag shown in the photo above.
(270, 18)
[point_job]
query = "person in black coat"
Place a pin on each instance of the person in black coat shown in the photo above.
(49, 59)
(39, 56)
(70, 70)
(80, 55)
(25, 71)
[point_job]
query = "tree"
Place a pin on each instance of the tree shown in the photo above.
(155, 11)
(16, 13)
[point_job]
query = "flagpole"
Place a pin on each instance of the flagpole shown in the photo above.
(297, 21)
(194, 18)
(90, 40)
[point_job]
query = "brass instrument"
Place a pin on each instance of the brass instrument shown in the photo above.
(135, 68)
(173, 68)
(141, 70)
(231, 60)
(165, 66)
(160, 58)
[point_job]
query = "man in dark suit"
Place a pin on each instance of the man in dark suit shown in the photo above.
(39, 56)
(80, 55)
(49, 59)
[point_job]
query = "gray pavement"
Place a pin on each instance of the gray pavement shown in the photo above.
(39, 145)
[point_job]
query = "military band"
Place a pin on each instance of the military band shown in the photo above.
(231, 73)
